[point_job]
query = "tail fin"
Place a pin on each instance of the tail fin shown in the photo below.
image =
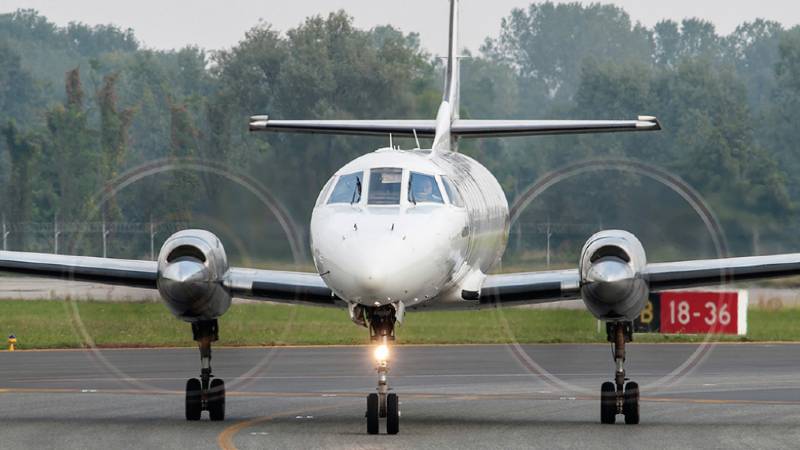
(452, 91)
(448, 111)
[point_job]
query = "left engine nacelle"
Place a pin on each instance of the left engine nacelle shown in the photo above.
(611, 283)
(191, 268)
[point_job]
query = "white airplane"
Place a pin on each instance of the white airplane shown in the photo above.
(417, 229)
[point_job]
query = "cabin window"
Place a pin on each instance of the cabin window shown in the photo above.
(348, 189)
(452, 192)
(384, 186)
(423, 189)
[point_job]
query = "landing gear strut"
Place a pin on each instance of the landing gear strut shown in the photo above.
(618, 397)
(382, 404)
(205, 394)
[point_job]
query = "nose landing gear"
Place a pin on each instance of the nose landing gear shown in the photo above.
(382, 404)
(619, 397)
(205, 394)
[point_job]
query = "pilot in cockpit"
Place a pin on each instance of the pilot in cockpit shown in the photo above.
(424, 190)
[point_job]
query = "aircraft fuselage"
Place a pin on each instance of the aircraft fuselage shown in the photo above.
(408, 226)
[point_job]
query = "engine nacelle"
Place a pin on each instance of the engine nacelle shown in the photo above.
(611, 283)
(191, 268)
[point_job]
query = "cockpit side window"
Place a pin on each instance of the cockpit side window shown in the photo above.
(384, 186)
(348, 189)
(423, 189)
(325, 190)
(452, 192)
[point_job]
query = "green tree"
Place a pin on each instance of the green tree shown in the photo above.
(23, 149)
(72, 153)
(753, 50)
(692, 38)
(708, 140)
(19, 93)
(325, 68)
(182, 189)
(114, 126)
(782, 134)
(548, 43)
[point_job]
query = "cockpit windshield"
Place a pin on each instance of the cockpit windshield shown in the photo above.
(348, 189)
(384, 186)
(423, 189)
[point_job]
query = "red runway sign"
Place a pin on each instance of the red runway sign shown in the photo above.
(695, 312)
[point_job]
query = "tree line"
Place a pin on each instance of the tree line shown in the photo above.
(82, 105)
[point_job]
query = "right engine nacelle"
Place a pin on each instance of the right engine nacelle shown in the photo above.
(192, 265)
(611, 283)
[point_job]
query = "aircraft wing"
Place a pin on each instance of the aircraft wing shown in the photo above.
(271, 285)
(531, 287)
(279, 286)
(558, 285)
(683, 274)
(310, 289)
(127, 272)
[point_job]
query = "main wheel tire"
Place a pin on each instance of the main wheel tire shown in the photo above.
(372, 413)
(631, 405)
(608, 403)
(216, 400)
(194, 405)
(392, 414)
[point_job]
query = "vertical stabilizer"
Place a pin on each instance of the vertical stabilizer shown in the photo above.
(453, 80)
(448, 111)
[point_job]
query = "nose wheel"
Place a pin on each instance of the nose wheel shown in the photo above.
(205, 394)
(619, 397)
(392, 414)
(382, 404)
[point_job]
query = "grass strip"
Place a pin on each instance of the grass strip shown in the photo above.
(61, 324)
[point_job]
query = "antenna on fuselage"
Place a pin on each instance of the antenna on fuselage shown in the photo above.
(391, 143)
(416, 138)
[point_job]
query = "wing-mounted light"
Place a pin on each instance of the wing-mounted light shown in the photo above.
(192, 265)
(611, 265)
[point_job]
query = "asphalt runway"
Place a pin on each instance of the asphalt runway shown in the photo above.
(533, 396)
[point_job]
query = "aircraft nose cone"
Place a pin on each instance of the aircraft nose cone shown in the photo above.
(374, 279)
(610, 279)
(385, 259)
(374, 274)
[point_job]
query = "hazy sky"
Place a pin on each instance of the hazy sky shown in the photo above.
(214, 24)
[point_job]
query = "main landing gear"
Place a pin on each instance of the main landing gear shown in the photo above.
(619, 397)
(382, 404)
(205, 394)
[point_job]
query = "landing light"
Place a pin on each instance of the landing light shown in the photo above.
(382, 352)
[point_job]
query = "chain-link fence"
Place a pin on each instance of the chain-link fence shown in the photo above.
(49, 236)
